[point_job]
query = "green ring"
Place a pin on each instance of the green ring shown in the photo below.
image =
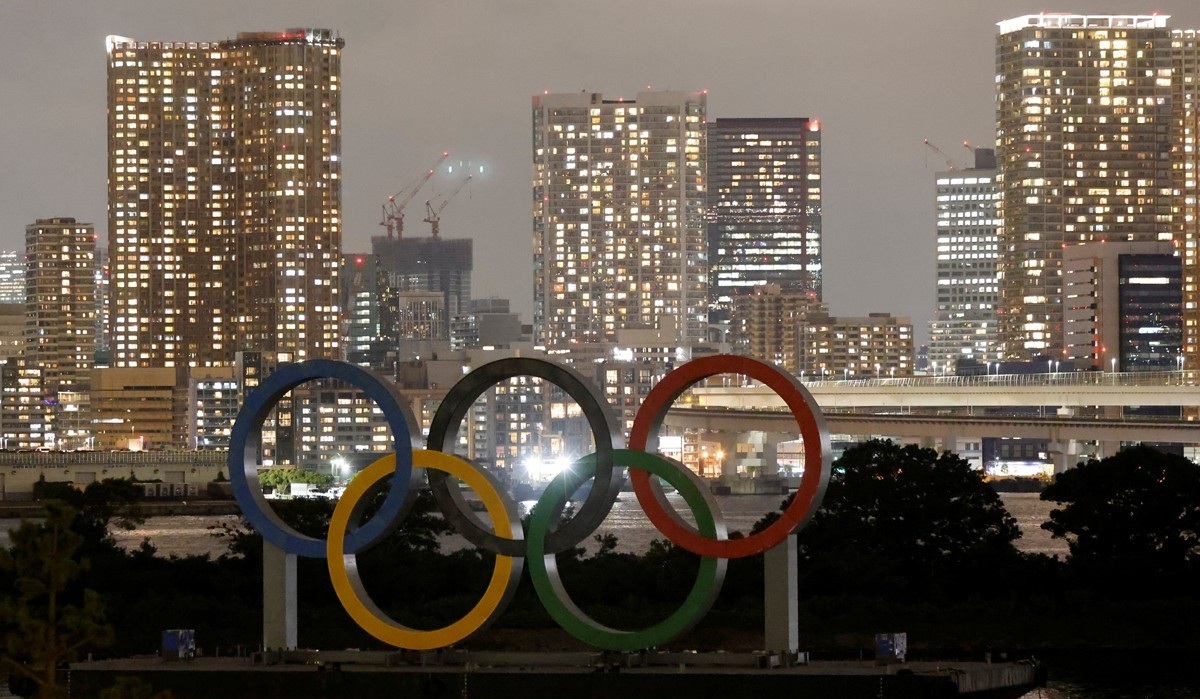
(543, 569)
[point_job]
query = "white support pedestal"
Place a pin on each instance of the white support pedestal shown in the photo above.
(781, 614)
(279, 598)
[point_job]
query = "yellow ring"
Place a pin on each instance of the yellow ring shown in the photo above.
(359, 605)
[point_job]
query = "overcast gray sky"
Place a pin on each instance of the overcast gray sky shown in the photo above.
(457, 75)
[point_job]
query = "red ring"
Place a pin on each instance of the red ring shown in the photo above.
(812, 431)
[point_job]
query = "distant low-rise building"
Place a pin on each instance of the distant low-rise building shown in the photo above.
(875, 345)
(132, 409)
(767, 322)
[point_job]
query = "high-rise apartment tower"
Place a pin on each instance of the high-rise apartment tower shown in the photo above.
(1084, 118)
(224, 198)
(618, 216)
(764, 207)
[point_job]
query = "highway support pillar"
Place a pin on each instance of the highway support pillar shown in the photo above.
(781, 597)
(279, 598)
(1065, 453)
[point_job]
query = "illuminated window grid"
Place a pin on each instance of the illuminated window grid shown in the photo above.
(1083, 138)
(618, 203)
(764, 206)
(225, 188)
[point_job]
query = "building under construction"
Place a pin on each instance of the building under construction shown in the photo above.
(415, 268)
(429, 264)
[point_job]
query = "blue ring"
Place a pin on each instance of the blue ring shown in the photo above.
(244, 446)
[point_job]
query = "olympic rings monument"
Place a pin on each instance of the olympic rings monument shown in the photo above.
(503, 535)
(627, 663)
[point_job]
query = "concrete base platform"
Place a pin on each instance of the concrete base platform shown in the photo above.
(380, 675)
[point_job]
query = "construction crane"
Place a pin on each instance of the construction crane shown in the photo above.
(950, 164)
(393, 210)
(433, 213)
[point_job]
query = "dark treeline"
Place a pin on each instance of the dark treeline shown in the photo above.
(907, 540)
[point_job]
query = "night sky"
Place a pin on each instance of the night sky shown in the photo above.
(457, 75)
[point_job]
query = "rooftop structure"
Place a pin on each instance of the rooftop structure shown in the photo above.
(1073, 21)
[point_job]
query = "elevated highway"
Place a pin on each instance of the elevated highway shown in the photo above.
(941, 411)
(1066, 389)
(942, 427)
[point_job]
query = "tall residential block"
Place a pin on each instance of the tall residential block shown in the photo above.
(12, 330)
(1185, 53)
(618, 216)
(60, 320)
(60, 297)
(1084, 118)
(764, 207)
(964, 324)
(224, 181)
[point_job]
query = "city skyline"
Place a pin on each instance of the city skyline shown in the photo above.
(459, 78)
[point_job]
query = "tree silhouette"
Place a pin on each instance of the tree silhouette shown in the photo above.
(45, 623)
(1134, 516)
(905, 522)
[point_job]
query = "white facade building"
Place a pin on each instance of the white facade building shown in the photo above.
(964, 324)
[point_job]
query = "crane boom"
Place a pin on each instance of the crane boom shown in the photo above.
(950, 164)
(393, 209)
(433, 213)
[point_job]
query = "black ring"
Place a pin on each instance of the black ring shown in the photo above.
(443, 431)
